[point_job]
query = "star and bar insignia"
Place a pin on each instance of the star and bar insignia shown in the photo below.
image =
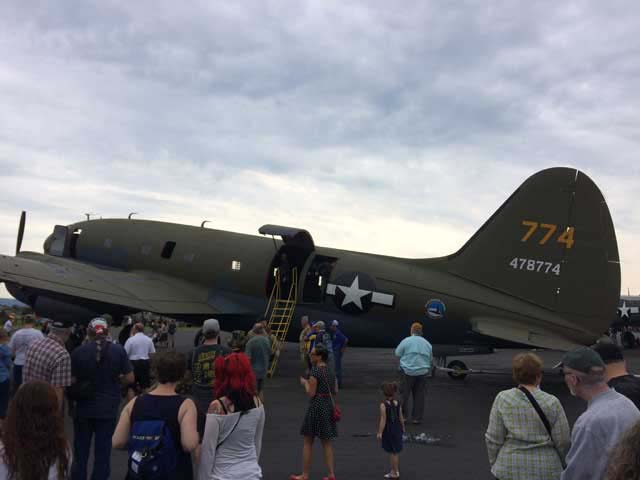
(356, 293)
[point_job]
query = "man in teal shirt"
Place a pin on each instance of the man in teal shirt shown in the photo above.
(415, 354)
(258, 349)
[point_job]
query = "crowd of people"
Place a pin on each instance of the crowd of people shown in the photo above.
(215, 432)
(528, 435)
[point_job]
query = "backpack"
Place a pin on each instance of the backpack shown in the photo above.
(152, 454)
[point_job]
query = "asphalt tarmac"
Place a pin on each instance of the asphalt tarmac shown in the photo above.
(456, 413)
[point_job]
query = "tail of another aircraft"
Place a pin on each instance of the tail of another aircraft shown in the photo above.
(552, 243)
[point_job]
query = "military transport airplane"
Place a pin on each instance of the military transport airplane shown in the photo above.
(542, 271)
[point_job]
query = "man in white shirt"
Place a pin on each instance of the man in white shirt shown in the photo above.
(139, 347)
(19, 344)
(8, 325)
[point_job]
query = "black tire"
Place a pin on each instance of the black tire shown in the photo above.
(457, 365)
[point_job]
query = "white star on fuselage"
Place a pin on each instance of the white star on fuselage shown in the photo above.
(624, 310)
(353, 294)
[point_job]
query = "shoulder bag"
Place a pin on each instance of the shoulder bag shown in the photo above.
(546, 423)
(234, 427)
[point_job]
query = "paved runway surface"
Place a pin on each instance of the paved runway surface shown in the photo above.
(456, 411)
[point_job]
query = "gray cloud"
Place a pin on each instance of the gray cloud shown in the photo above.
(316, 113)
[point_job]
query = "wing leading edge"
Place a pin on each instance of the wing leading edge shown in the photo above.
(139, 290)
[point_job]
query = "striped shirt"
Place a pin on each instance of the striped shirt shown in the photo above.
(518, 444)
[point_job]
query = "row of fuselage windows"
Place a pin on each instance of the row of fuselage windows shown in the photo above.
(167, 253)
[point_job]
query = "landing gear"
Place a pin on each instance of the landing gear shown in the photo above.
(628, 340)
(455, 368)
(458, 368)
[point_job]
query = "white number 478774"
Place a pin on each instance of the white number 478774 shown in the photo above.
(530, 265)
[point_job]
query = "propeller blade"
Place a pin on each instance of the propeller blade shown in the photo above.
(23, 219)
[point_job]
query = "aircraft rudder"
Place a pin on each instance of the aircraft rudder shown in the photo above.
(551, 243)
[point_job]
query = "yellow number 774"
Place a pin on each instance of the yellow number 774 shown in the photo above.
(566, 237)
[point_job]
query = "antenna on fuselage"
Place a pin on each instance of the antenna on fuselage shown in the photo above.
(205, 221)
(131, 214)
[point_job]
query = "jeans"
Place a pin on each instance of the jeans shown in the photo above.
(337, 358)
(83, 430)
(413, 386)
(17, 377)
(4, 397)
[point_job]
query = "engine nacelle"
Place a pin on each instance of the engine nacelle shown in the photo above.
(51, 308)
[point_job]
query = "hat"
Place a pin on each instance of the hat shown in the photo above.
(582, 359)
(609, 352)
(61, 323)
(100, 325)
(335, 323)
(211, 325)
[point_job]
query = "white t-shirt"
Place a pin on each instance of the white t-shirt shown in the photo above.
(139, 347)
(21, 341)
(8, 326)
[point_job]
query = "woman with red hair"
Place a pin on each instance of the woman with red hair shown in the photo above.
(233, 431)
(33, 442)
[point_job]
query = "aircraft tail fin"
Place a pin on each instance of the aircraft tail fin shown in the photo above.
(552, 243)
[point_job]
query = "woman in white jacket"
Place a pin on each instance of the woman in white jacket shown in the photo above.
(233, 432)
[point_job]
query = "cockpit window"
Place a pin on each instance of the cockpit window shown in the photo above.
(167, 251)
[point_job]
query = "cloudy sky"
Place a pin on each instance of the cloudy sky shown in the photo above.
(388, 127)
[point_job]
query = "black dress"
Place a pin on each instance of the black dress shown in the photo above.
(318, 420)
(392, 433)
(161, 407)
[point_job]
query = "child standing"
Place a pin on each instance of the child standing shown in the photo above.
(391, 427)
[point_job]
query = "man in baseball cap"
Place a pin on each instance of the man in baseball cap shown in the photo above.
(47, 360)
(99, 367)
(609, 414)
(339, 344)
(201, 365)
(616, 373)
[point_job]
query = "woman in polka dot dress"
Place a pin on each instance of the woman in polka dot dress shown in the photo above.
(318, 420)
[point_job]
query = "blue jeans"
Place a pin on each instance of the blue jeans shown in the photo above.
(337, 358)
(83, 430)
(4, 397)
(17, 377)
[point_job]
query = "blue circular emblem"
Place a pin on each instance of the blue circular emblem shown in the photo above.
(435, 309)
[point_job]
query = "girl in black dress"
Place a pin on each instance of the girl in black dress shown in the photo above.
(391, 427)
(318, 420)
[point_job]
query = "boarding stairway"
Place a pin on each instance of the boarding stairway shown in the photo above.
(282, 304)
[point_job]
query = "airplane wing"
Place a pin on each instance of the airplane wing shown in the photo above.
(521, 333)
(141, 290)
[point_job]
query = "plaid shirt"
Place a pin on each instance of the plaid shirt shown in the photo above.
(518, 444)
(48, 361)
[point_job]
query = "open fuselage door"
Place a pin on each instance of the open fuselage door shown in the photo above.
(297, 252)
